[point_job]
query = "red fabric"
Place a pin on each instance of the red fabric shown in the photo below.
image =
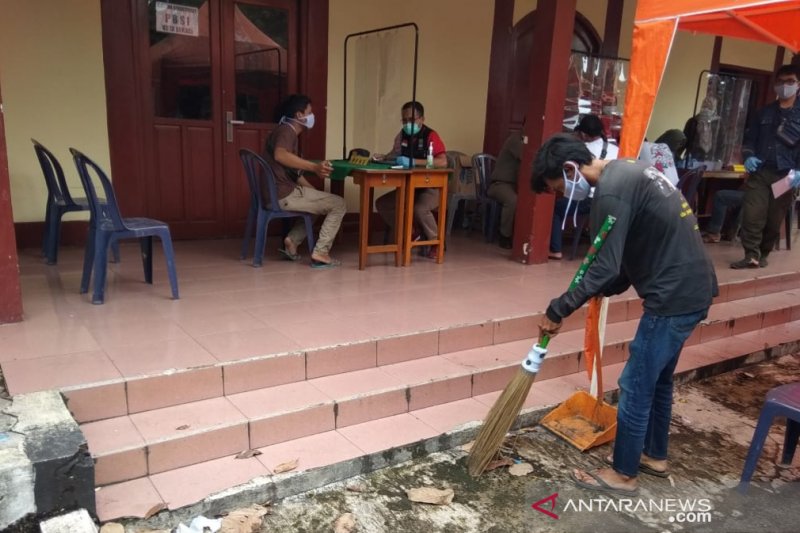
(438, 145)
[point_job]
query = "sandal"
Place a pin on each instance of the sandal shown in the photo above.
(322, 264)
(644, 469)
(288, 256)
(556, 256)
(601, 485)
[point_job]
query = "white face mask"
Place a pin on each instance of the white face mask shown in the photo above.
(307, 121)
(576, 189)
(784, 91)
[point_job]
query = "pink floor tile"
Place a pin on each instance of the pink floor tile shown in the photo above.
(112, 435)
(386, 433)
(263, 372)
(190, 484)
(340, 359)
(486, 357)
(121, 334)
(155, 392)
(514, 329)
(28, 375)
(120, 466)
(198, 325)
(493, 380)
(97, 402)
(324, 333)
(446, 417)
(279, 399)
(407, 347)
(356, 383)
(425, 370)
(193, 417)
(155, 357)
(311, 452)
(131, 498)
(371, 406)
(30, 343)
(245, 344)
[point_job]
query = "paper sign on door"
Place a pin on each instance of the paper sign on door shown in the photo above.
(174, 18)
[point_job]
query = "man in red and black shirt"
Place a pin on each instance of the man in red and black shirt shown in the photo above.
(412, 142)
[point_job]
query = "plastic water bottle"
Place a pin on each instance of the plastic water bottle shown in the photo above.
(430, 155)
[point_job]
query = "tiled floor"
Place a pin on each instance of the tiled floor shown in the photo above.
(230, 311)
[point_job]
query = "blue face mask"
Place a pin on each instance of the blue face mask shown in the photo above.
(411, 128)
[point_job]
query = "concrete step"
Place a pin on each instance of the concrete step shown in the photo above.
(104, 400)
(163, 439)
(331, 456)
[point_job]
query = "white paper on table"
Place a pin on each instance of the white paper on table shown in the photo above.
(781, 187)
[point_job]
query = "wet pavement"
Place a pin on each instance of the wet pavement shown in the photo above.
(713, 422)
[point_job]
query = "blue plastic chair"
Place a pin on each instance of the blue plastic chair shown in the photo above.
(482, 167)
(256, 166)
(59, 202)
(107, 226)
(783, 401)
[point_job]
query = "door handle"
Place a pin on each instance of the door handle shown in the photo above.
(230, 123)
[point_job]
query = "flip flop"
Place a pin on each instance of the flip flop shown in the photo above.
(644, 469)
(288, 256)
(321, 264)
(601, 486)
(554, 257)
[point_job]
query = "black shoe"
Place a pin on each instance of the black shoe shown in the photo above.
(762, 263)
(505, 242)
(745, 263)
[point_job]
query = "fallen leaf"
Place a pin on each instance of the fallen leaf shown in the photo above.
(286, 467)
(431, 495)
(357, 486)
(247, 454)
(112, 527)
(181, 428)
(157, 508)
(344, 524)
(499, 463)
(247, 520)
(520, 469)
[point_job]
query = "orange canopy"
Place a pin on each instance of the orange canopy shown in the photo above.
(772, 21)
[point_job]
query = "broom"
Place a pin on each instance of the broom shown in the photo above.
(508, 406)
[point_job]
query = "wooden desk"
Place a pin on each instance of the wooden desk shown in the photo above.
(724, 175)
(367, 179)
(426, 178)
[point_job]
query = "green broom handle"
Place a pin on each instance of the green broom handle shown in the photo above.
(591, 255)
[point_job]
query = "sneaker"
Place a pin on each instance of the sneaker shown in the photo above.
(745, 263)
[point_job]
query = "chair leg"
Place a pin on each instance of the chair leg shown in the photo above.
(115, 251)
(309, 233)
(452, 207)
(788, 228)
(53, 232)
(262, 222)
(248, 228)
(101, 244)
(46, 236)
(88, 260)
(756, 445)
(790, 440)
(146, 244)
(169, 255)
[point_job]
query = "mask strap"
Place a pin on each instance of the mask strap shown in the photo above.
(571, 193)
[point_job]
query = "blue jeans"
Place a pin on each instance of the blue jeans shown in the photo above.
(645, 401)
(559, 212)
(724, 200)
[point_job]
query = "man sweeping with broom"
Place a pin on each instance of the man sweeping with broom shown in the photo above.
(656, 247)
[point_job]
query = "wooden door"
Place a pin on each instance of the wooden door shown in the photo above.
(217, 70)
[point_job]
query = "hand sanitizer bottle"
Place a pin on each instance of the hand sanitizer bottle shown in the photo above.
(430, 156)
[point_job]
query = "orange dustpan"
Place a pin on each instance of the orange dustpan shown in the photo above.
(585, 420)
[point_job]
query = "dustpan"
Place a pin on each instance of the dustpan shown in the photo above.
(584, 419)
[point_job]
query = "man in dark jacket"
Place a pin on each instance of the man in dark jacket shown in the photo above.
(768, 159)
(655, 246)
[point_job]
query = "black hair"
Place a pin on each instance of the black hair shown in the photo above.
(676, 140)
(416, 106)
(592, 126)
(294, 103)
(788, 70)
(550, 158)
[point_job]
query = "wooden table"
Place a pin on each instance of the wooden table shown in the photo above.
(405, 182)
(426, 178)
(722, 179)
(724, 175)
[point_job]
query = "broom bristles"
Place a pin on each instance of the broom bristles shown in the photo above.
(499, 420)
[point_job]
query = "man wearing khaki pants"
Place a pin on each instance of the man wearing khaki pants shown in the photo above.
(294, 191)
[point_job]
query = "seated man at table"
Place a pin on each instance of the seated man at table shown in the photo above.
(413, 142)
(295, 192)
(724, 200)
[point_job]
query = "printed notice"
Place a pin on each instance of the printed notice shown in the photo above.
(174, 18)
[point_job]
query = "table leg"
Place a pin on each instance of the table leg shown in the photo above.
(399, 203)
(363, 223)
(409, 216)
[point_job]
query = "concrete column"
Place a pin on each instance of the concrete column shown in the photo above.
(10, 295)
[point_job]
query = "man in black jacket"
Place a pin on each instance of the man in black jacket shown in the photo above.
(655, 246)
(768, 159)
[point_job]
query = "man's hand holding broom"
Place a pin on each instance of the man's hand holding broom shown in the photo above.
(548, 327)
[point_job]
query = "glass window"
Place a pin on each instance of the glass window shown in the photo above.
(260, 60)
(180, 59)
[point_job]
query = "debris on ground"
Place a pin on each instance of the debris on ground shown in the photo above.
(431, 495)
(247, 520)
(286, 467)
(520, 469)
(344, 524)
(200, 524)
